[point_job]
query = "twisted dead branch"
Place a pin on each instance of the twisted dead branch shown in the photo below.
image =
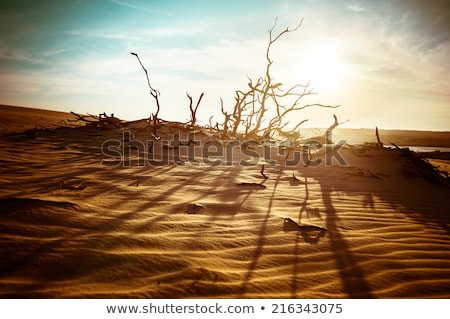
(265, 106)
(153, 120)
(194, 109)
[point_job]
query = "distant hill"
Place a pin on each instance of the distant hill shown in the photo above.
(399, 137)
(16, 119)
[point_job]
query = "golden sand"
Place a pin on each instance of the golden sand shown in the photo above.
(72, 227)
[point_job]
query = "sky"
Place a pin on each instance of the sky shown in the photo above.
(385, 62)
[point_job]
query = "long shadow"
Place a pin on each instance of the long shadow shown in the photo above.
(353, 278)
(415, 198)
(26, 252)
(36, 173)
(153, 202)
(261, 240)
(29, 258)
(194, 177)
(296, 270)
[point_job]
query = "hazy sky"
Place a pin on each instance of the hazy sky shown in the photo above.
(386, 62)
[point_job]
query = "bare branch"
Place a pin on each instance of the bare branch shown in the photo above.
(152, 90)
(267, 105)
(298, 125)
(194, 109)
(328, 131)
(226, 121)
(379, 143)
(283, 32)
(155, 94)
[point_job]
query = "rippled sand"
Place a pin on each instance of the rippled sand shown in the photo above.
(71, 227)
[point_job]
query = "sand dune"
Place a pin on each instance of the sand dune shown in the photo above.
(72, 226)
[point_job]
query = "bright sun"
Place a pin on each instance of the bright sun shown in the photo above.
(323, 68)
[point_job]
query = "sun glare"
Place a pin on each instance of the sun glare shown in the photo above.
(323, 68)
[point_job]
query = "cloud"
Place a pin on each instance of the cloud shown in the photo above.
(130, 5)
(421, 25)
(356, 8)
(164, 9)
(394, 51)
(143, 34)
(19, 55)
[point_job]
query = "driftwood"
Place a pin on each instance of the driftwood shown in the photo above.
(423, 167)
(100, 121)
(379, 143)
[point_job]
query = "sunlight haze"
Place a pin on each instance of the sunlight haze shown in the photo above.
(384, 62)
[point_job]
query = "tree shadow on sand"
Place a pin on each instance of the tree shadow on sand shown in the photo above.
(353, 278)
(414, 197)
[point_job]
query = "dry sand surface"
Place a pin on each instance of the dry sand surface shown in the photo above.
(72, 226)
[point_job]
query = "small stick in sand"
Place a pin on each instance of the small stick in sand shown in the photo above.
(372, 174)
(379, 143)
(252, 185)
(262, 172)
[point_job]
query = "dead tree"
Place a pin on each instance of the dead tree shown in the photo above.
(268, 88)
(266, 106)
(154, 120)
(244, 107)
(276, 94)
(194, 109)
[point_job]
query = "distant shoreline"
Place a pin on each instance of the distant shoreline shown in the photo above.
(426, 149)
